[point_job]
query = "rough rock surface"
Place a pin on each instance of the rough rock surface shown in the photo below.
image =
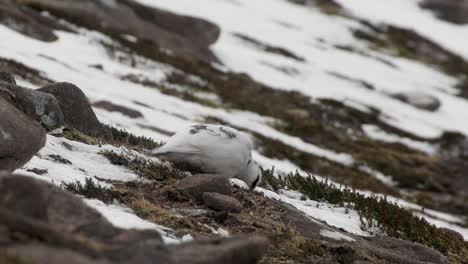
(75, 106)
(454, 11)
(40, 106)
(196, 185)
(111, 107)
(20, 137)
(180, 34)
(221, 202)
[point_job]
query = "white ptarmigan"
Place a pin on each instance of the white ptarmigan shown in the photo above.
(215, 149)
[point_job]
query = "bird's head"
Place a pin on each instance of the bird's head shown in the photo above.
(253, 175)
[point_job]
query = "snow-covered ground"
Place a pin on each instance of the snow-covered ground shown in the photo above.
(303, 31)
(312, 35)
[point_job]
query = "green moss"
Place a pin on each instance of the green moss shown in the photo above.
(75, 135)
(93, 190)
(122, 137)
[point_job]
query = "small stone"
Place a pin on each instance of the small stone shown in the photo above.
(419, 100)
(76, 109)
(221, 202)
(196, 185)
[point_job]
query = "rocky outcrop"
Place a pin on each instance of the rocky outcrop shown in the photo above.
(454, 11)
(75, 106)
(51, 224)
(20, 136)
(180, 34)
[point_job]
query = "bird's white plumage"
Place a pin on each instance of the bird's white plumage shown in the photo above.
(214, 149)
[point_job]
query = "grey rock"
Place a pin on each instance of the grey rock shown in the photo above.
(75, 106)
(302, 223)
(402, 251)
(42, 107)
(419, 100)
(246, 250)
(196, 185)
(20, 137)
(222, 202)
(51, 205)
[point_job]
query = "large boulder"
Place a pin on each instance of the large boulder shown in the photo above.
(20, 137)
(180, 34)
(75, 106)
(51, 205)
(42, 107)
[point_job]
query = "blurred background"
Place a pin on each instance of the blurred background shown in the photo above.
(370, 95)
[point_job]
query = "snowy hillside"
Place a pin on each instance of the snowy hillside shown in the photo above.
(366, 96)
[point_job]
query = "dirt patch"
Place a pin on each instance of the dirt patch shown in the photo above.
(111, 107)
(269, 48)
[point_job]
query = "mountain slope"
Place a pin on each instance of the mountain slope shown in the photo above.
(350, 91)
